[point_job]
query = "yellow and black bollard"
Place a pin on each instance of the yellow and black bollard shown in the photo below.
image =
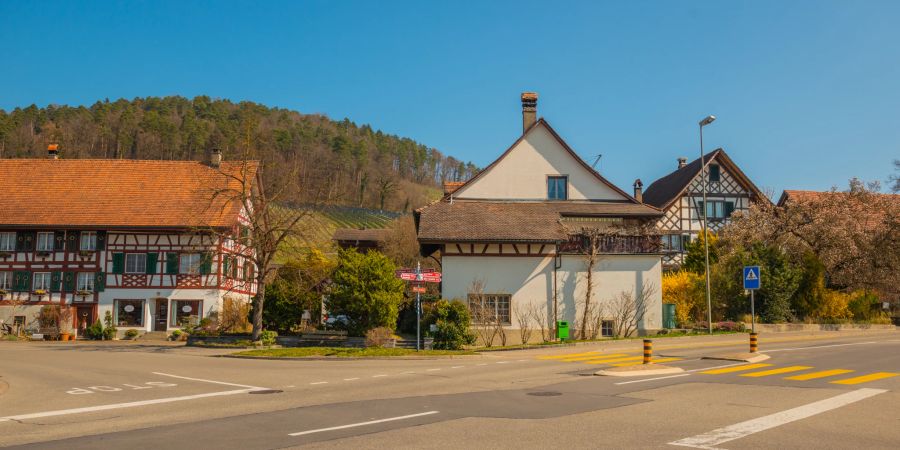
(648, 350)
(754, 347)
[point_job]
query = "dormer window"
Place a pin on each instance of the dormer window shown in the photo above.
(714, 173)
(558, 187)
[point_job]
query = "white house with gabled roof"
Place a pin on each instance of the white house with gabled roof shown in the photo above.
(514, 230)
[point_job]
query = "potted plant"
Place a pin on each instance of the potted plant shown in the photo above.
(5, 255)
(131, 334)
(3, 294)
(85, 253)
(65, 323)
(43, 253)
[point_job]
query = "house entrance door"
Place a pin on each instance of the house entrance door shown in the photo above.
(161, 317)
(84, 317)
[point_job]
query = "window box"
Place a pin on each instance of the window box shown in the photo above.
(43, 253)
(5, 254)
(85, 253)
(3, 293)
(84, 292)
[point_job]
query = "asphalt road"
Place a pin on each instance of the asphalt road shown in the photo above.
(820, 390)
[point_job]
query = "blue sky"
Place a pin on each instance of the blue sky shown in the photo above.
(807, 93)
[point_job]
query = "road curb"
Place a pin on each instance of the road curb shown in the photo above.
(349, 358)
(739, 357)
(638, 371)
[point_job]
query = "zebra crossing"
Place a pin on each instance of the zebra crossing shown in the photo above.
(755, 370)
(610, 359)
(833, 376)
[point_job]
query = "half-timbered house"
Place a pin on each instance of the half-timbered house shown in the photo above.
(680, 196)
(509, 238)
(147, 241)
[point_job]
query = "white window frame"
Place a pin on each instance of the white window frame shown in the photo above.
(6, 280)
(7, 241)
(45, 238)
(45, 281)
(135, 263)
(495, 300)
(85, 281)
(140, 308)
(88, 241)
(189, 263)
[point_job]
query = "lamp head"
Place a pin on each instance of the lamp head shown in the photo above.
(707, 120)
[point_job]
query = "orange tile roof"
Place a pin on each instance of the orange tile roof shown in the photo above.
(119, 193)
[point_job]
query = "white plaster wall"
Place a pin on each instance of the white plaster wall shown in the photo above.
(211, 298)
(522, 174)
(529, 280)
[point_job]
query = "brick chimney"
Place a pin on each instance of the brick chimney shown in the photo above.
(529, 109)
(53, 151)
(682, 162)
(639, 190)
(215, 158)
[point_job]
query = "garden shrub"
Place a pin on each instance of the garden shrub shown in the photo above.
(131, 334)
(378, 337)
(109, 330)
(452, 320)
(267, 337)
(95, 331)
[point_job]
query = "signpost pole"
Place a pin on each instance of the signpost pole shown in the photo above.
(752, 311)
(418, 309)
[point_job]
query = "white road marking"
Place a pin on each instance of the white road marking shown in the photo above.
(523, 360)
(716, 367)
(407, 373)
(482, 364)
(360, 424)
(63, 412)
(379, 376)
(351, 379)
(457, 367)
(320, 382)
(502, 362)
(207, 381)
(743, 429)
(431, 370)
(818, 346)
(654, 379)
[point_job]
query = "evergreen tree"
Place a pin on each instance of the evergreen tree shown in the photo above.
(366, 290)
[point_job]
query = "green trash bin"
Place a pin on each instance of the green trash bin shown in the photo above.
(562, 330)
(669, 315)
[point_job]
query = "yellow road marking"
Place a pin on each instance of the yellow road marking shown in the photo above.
(736, 368)
(816, 375)
(615, 360)
(585, 358)
(866, 378)
(766, 373)
(660, 360)
(569, 355)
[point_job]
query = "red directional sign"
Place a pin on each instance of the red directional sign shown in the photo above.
(419, 289)
(432, 277)
(408, 276)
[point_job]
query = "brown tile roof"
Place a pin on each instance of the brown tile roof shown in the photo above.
(492, 221)
(118, 193)
(355, 235)
(664, 191)
(800, 196)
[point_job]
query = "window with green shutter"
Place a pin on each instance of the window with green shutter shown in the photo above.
(152, 261)
(118, 263)
(729, 208)
(101, 240)
(22, 281)
(99, 281)
(55, 281)
(69, 281)
(206, 263)
(172, 263)
(226, 266)
(72, 239)
(25, 241)
(59, 241)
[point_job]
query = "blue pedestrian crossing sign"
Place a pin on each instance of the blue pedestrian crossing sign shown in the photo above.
(751, 277)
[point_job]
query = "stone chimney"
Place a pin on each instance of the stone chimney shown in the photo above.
(529, 109)
(53, 151)
(682, 162)
(639, 190)
(215, 158)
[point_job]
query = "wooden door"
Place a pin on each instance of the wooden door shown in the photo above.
(161, 318)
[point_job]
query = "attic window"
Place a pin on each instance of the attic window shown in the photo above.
(557, 187)
(713, 173)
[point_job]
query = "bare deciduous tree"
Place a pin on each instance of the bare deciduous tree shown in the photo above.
(524, 318)
(482, 313)
(628, 309)
(270, 222)
(538, 313)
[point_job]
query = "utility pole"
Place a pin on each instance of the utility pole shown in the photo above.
(704, 225)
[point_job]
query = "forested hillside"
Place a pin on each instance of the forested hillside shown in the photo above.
(359, 166)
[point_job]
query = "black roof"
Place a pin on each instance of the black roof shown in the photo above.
(669, 187)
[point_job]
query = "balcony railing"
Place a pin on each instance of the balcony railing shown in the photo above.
(613, 244)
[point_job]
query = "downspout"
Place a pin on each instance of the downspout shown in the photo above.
(557, 264)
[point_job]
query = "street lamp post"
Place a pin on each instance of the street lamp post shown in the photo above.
(706, 121)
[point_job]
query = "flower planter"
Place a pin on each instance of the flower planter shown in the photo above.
(64, 336)
(5, 254)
